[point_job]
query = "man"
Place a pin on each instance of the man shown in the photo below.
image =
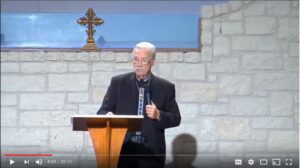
(142, 93)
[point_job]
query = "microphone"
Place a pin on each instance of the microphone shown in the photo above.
(148, 94)
(148, 99)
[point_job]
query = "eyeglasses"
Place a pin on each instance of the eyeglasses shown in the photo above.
(143, 61)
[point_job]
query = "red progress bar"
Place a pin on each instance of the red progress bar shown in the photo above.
(27, 154)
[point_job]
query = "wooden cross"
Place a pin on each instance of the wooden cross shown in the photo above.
(90, 20)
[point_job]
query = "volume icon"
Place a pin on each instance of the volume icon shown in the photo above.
(39, 162)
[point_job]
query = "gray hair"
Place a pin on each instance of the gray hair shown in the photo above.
(146, 45)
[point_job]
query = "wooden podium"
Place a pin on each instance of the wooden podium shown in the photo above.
(107, 133)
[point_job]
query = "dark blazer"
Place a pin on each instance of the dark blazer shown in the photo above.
(122, 98)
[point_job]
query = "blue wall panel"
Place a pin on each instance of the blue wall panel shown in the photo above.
(118, 31)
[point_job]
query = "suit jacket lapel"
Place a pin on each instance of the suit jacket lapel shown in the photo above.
(155, 89)
(134, 96)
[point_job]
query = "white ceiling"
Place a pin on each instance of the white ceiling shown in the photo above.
(99, 6)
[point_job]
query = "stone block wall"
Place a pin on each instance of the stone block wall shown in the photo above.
(239, 96)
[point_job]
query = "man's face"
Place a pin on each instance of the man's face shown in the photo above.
(142, 62)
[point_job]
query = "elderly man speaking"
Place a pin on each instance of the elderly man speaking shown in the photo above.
(143, 93)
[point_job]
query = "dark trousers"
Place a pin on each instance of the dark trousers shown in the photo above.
(135, 155)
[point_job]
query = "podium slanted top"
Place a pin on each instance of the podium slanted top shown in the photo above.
(83, 122)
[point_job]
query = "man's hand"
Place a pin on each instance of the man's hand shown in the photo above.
(152, 112)
(109, 113)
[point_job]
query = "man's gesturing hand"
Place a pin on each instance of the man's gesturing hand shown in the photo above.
(152, 112)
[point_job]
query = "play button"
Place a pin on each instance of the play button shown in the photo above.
(11, 162)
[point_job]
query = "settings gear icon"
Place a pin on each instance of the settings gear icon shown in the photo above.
(251, 162)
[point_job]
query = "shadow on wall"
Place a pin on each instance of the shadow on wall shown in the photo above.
(100, 42)
(184, 151)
